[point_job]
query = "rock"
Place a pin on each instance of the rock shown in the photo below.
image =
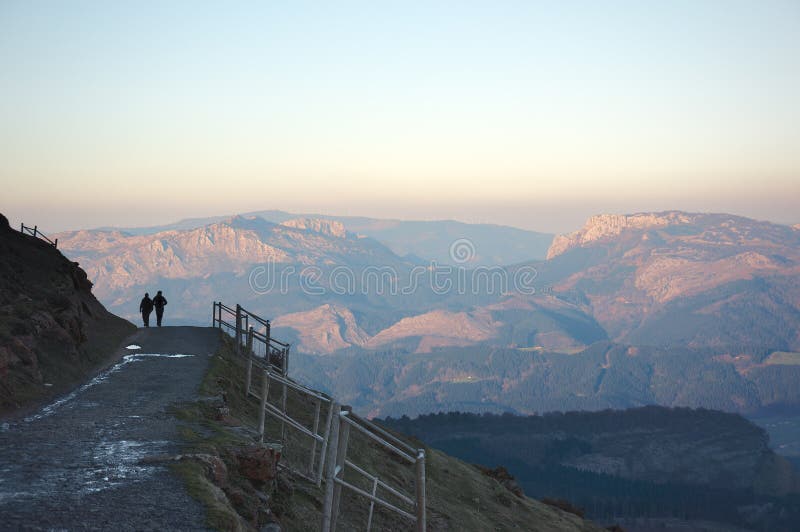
(316, 225)
(604, 226)
(258, 464)
(216, 469)
(7, 358)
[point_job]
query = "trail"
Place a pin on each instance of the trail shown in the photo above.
(75, 464)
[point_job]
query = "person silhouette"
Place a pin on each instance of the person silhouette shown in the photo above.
(159, 302)
(146, 307)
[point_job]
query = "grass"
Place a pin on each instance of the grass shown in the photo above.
(219, 513)
(783, 358)
(459, 496)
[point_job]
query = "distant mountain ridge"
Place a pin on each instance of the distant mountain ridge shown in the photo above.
(428, 240)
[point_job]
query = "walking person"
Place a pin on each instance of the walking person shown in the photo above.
(159, 302)
(146, 307)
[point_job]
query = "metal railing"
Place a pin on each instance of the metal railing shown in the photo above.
(34, 231)
(409, 506)
(306, 434)
(315, 439)
(255, 340)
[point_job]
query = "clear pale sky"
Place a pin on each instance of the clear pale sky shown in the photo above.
(534, 114)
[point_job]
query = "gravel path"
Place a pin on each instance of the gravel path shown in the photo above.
(75, 464)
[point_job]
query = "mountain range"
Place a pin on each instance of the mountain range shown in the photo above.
(431, 240)
(671, 308)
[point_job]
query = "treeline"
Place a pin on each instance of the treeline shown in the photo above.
(605, 498)
(676, 419)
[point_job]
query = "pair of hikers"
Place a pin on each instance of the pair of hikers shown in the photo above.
(147, 305)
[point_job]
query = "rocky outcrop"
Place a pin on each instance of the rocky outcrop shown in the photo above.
(440, 328)
(329, 328)
(324, 329)
(52, 329)
(642, 274)
(606, 226)
(325, 227)
(258, 464)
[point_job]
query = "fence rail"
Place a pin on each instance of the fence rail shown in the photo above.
(34, 231)
(315, 439)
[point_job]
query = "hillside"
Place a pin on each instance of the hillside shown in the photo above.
(605, 375)
(53, 331)
(692, 464)
(460, 496)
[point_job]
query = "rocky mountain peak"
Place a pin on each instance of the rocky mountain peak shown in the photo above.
(603, 226)
(317, 225)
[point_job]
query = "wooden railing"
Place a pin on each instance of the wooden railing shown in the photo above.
(34, 231)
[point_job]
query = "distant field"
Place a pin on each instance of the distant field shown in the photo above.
(783, 358)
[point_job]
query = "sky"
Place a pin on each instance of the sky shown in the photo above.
(532, 114)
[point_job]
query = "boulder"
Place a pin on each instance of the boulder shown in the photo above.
(258, 463)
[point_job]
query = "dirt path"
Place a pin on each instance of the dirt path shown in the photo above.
(75, 464)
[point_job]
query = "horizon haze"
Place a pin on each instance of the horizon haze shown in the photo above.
(529, 114)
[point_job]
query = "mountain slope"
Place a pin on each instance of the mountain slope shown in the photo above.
(459, 496)
(245, 258)
(52, 329)
(685, 275)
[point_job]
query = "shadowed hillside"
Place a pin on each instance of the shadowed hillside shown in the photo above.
(53, 331)
(662, 463)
